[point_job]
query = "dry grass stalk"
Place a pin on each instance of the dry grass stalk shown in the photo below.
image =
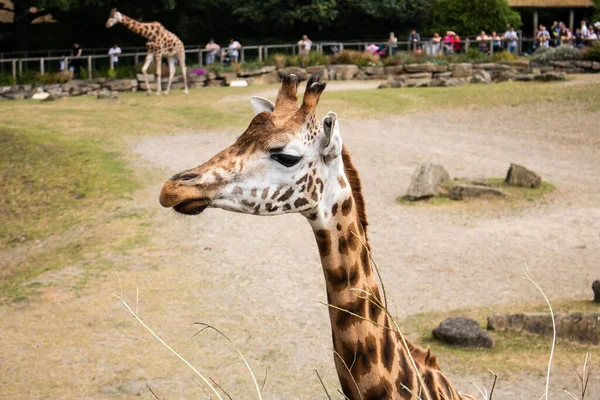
(349, 373)
(120, 297)
(152, 391)
(207, 326)
(527, 277)
(322, 384)
(584, 377)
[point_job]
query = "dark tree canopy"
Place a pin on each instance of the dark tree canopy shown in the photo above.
(251, 21)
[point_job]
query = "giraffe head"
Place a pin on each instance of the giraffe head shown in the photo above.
(280, 164)
(113, 18)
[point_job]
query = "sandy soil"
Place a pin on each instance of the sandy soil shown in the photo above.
(259, 279)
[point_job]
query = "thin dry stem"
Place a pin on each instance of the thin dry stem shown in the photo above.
(493, 384)
(349, 373)
(220, 387)
(152, 391)
(207, 326)
(322, 384)
(167, 346)
(376, 268)
(526, 272)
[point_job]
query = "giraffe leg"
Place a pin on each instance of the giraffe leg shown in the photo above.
(147, 63)
(171, 73)
(158, 73)
(181, 57)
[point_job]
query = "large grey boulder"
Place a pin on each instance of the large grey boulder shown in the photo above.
(481, 76)
(463, 332)
(463, 70)
(518, 175)
(465, 191)
(344, 72)
(596, 289)
(426, 67)
(551, 76)
(426, 181)
(578, 327)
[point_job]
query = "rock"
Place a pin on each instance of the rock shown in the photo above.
(257, 71)
(447, 74)
(104, 93)
(375, 77)
(14, 95)
(228, 77)
(584, 64)
(393, 69)
(426, 67)
(518, 175)
(215, 83)
(504, 76)
(384, 85)
(481, 76)
(418, 75)
(344, 72)
(465, 191)
(151, 78)
(121, 85)
(316, 69)
(464, 70)
(52, 97)
(525, 77)
(426, 181)
(596, 289)
(361, 75)
(299, 72)
(579, 327)
(551, 76)
(418, 82)
(493, 67)
(271, 77)
(448, 82)
(463, 332)
(395, 84)
(5, 89)
(596, 65)
(521, 64)
(373, 70)
(40, 96)
(563, 64)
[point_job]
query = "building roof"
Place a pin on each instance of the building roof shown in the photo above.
(551, 3)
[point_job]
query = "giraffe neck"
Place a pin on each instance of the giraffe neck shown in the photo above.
(371, 358)
(149, 30)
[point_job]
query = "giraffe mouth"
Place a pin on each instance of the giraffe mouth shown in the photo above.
(191, 207)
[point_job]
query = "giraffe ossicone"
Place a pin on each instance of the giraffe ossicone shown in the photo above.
(287, 161)
(161, 43)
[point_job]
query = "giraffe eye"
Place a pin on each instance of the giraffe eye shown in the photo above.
(286, 159)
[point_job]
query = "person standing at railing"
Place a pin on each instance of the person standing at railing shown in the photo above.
(233, 50)
(213, 49)
(436, 42)
(564, 34)
(304, 46)
(496, 42)
(75, 62)
(543, 36)
(511, 38)
(114, 53)
(415, 40)
(482, 42)
(554, 33)
(456, 43)
(448, 42)
(392, 43)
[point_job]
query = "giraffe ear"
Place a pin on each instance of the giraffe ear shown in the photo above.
(260, 104)
(332, 141)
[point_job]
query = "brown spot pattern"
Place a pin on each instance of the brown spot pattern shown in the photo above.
(347, 206)
(301, 201)
(324, 242)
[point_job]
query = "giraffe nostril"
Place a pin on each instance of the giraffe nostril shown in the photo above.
(185, 176)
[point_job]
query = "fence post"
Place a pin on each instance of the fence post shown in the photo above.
(14, 71)
(42, 66)
(89, 62)
(293, 50)
(491, 47)
(266, 52)
(221, 54)
(199, 56)
(242, 51)
(20, 67)
(260, 58)
(111, 62)
(520, 42)
(136, 58)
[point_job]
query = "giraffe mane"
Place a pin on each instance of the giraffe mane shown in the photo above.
(356, 186)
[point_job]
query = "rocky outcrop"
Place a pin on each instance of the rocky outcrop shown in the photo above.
(426, 67)
(577, 327)
(467, 191)
(551, 76)
(481, 76)
(463, 332)
(343, 72)
(463, 70)
(426, 181)
(518, 175)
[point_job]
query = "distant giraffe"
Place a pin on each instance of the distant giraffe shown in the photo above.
(288, 161)
(161, 43)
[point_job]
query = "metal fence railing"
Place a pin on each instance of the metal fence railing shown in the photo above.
(57, 60)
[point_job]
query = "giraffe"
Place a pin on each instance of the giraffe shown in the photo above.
(287, 161)
(160, 43)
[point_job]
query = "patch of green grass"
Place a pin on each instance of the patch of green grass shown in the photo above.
(513, 352)
(521, 193)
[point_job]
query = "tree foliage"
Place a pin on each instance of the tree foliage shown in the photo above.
(469, 17)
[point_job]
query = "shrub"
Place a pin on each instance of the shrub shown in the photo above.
(503, 56)
(354, 57)
(277, 59)
(473, 54)
(316, 58)
(592, 53)
(83, 74)
(544, 55)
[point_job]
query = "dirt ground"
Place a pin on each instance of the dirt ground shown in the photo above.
(259, 280)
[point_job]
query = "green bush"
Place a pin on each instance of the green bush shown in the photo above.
(355, 57)
(592, 53)
(503, 56)
(544, 55)
(474, 55)
(6, 80)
